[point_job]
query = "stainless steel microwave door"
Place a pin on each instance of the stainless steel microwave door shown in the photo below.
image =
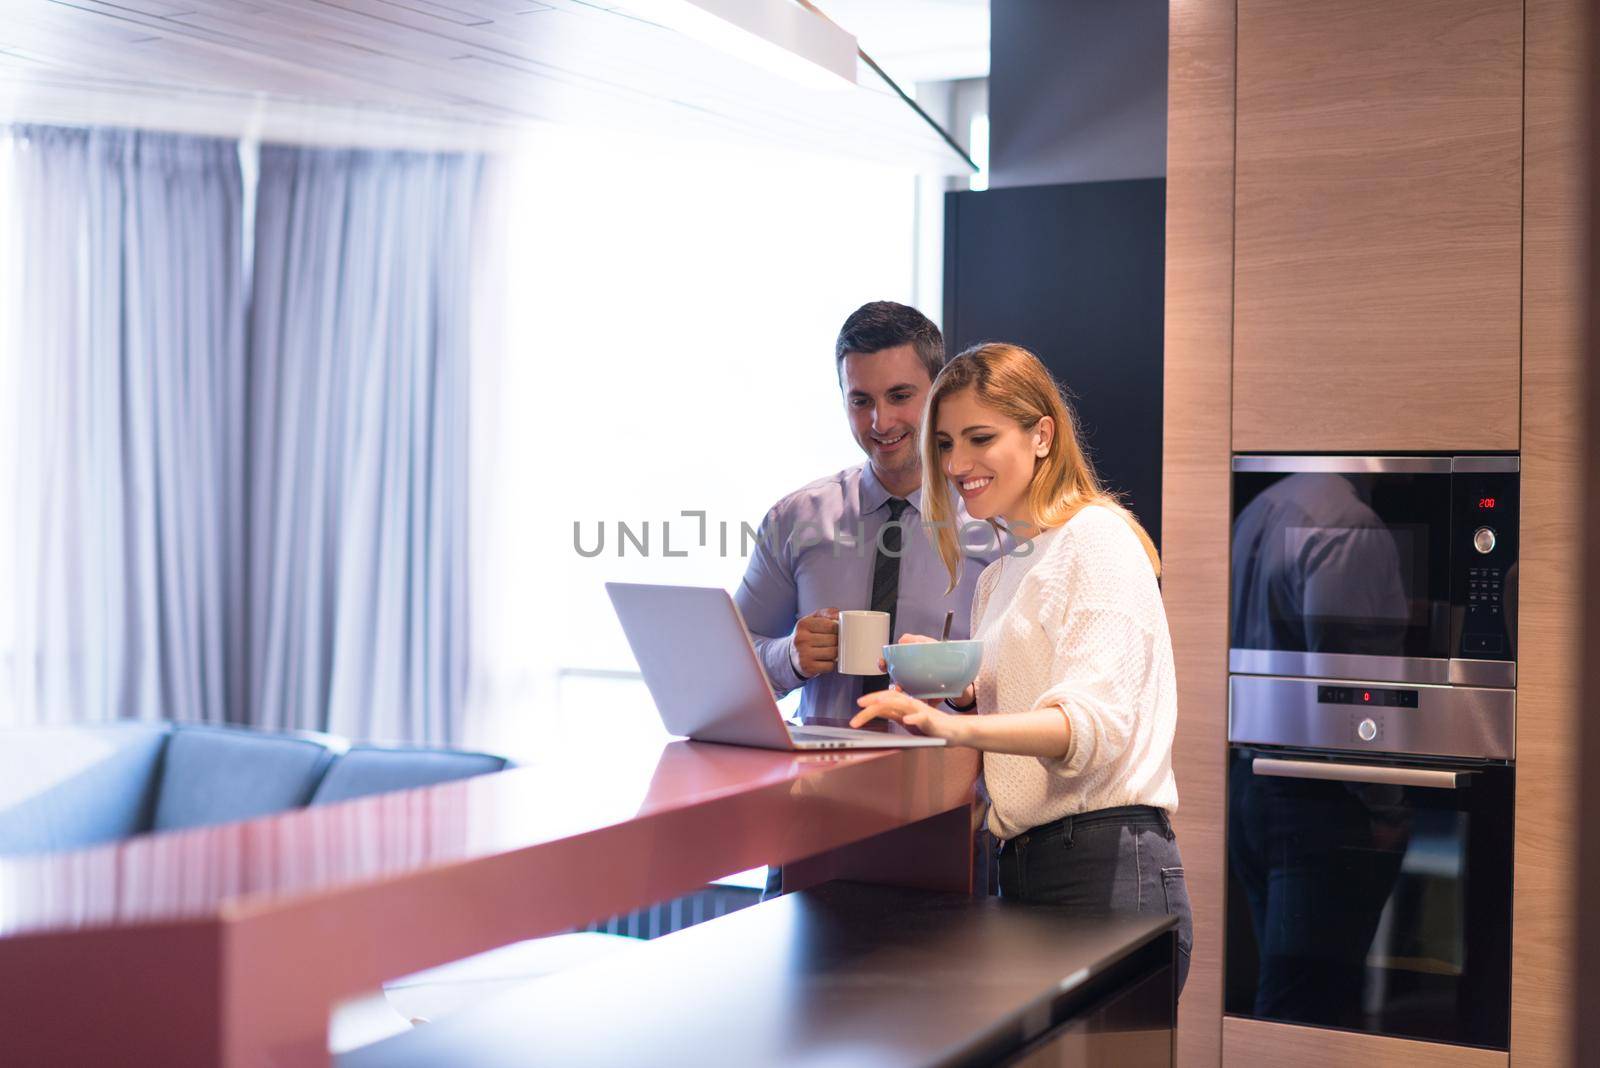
(1392, 568)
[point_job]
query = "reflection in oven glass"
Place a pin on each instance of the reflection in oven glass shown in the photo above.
(1372, 907)
(1316, 569)
(1318, 862)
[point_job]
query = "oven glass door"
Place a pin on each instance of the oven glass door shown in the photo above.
(1370, 895)
(1346, 563)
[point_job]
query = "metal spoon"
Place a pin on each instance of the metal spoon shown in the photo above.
(948, 616)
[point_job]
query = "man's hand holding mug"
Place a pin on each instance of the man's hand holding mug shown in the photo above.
(816, 642)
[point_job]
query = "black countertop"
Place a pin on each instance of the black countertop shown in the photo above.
(842, 974)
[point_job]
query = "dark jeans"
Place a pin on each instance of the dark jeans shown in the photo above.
(1113, 860)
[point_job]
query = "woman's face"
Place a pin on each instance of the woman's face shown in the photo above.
(989, 456)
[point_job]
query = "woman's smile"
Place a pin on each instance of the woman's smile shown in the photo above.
(971, 487)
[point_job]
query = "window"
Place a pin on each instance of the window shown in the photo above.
(662, 343)
(10, 277)
(667, 347)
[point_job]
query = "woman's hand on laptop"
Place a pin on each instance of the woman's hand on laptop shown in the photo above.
(894, 703)
(816, 642)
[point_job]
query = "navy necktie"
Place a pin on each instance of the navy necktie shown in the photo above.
(886, 580)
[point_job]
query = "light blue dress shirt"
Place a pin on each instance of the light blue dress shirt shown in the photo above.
(816, 549)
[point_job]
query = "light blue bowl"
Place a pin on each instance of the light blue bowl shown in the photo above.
(933, 669)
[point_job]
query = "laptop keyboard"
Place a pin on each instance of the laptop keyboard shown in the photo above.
(827, 734)
(813, 734)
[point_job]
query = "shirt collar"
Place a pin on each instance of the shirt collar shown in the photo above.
(875, 496)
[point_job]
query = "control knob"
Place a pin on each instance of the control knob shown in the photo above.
(1483, 540)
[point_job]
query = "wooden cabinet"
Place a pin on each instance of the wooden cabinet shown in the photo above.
(1259, 1044)
(1551, 651)
(1378, 225)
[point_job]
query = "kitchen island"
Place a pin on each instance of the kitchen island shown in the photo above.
(230, 944)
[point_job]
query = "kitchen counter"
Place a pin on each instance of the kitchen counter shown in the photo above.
(229, 944)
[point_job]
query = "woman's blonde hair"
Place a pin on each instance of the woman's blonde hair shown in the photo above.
(1014, 382)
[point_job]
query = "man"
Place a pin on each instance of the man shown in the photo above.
(853, 540)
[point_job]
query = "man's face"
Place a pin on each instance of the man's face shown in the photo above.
(883, 395)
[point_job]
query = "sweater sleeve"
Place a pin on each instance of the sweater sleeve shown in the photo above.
(1099, 605)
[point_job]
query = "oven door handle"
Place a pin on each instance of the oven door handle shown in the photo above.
(1374, 773)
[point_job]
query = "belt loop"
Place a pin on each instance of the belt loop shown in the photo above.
(1066, 831)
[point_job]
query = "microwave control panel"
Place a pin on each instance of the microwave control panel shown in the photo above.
(1483, 557)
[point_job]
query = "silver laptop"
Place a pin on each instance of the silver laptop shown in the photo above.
(708, 684)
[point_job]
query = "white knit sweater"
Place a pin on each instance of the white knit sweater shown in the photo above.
(1078, 623)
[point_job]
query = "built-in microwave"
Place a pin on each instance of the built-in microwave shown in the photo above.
(1380, 568)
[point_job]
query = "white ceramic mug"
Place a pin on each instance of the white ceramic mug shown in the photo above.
(862, 636)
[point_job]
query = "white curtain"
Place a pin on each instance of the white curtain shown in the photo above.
(358, 462)
(209, 518)
(121, 394)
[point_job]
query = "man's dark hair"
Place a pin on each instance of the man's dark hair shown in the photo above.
(883, 324)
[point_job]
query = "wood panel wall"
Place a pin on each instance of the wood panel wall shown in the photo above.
(1195, 473)
(1550, 598)
(1219, 391)
(1586, 949)
(1257, 1044)
(1378, 228)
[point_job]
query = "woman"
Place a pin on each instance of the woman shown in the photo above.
(1076, 697)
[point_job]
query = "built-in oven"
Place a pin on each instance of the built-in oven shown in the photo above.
(1384, 568)
(1370, 854)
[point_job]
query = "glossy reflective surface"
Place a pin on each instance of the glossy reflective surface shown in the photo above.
(1412, 560)
(1366, 718)
(844, 975)
(257, 864)
(1357, 564)
(1371, 906)
(287, 914)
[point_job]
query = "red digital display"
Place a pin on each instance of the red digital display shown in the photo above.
(1486, 504)
(1366, 695)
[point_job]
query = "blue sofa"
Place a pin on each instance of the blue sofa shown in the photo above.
(73, 787)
